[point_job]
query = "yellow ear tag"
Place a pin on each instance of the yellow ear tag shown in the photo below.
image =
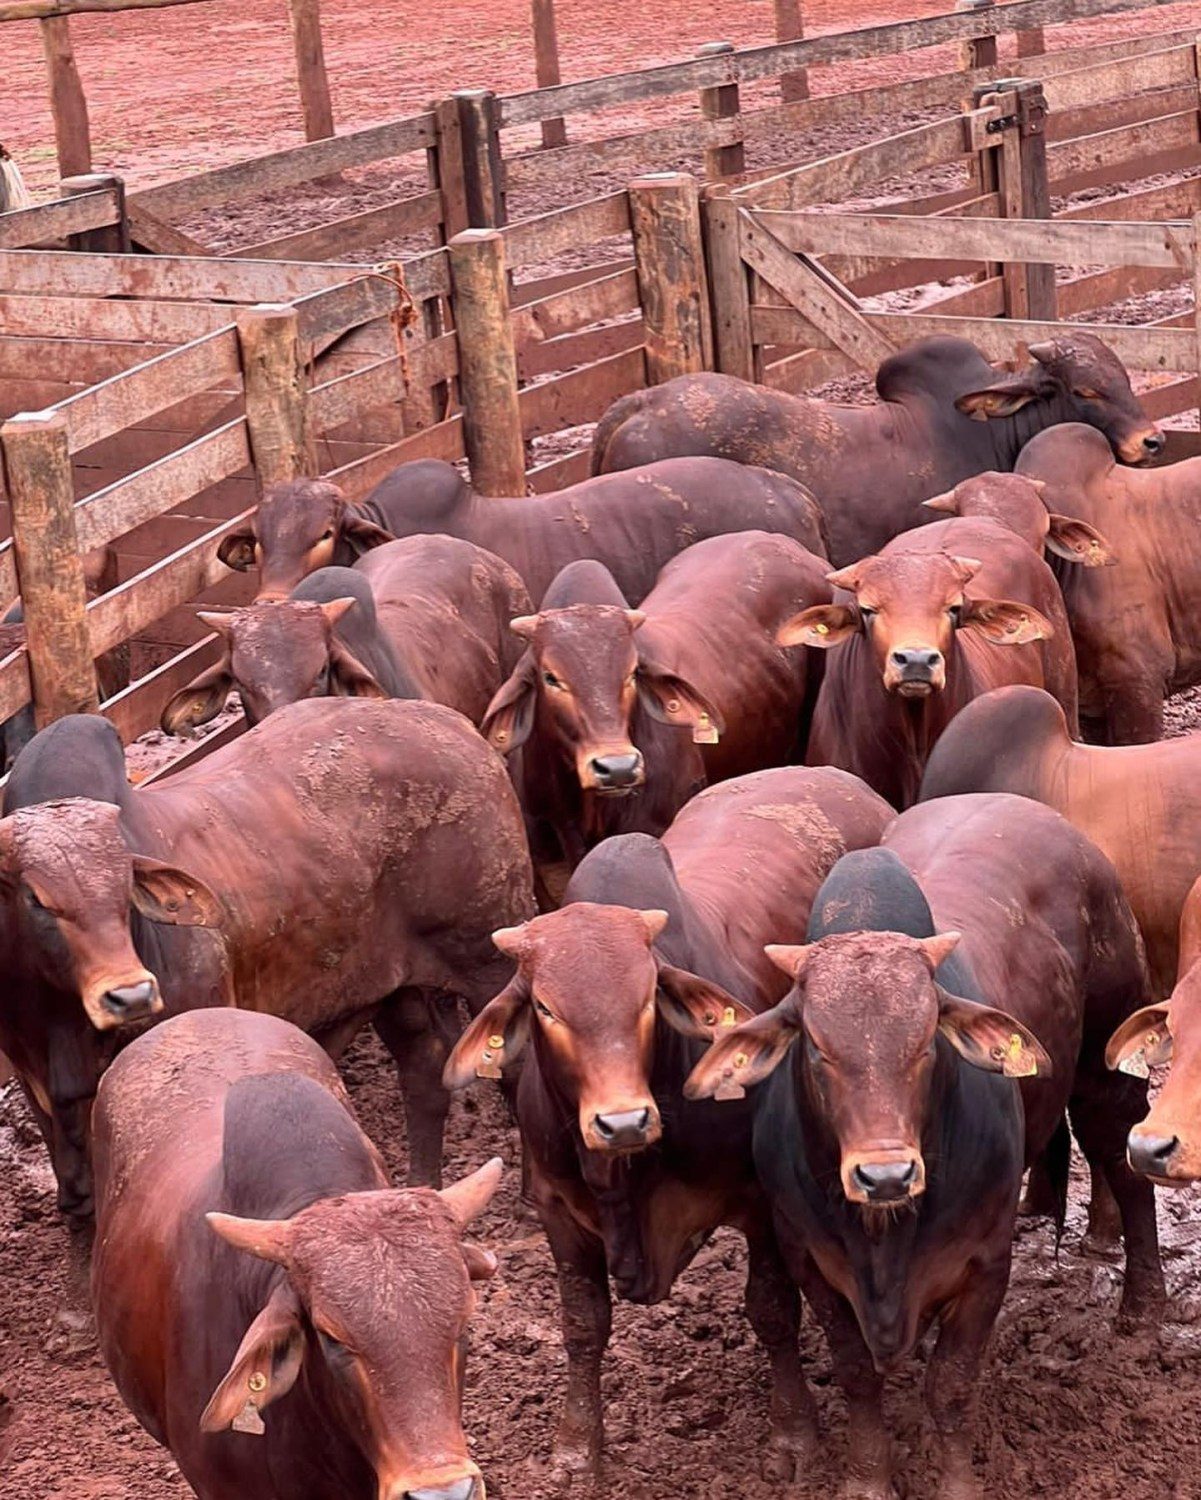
(488, 1066)
(703, 732)
(822, 629)
(727, 1016)
(1016, 1062)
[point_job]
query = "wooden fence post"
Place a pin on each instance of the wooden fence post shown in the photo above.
(672, 284)
(311, 75)
(721, 102)
(998, 170)
(487, 363)
(483, 169)
(446, 165)
(112, 239)
(1197, 296)
(273, 370)
(546, 66)
(68, 105)
(790, 27)
(729, 287)
(49, 568)
(1041, 300)
(978, 51)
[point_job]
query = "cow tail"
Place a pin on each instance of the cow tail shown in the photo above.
(1058, 1159)
(609, 425)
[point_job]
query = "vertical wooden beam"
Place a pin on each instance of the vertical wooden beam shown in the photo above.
(483, 179)
(273, 371)
(721, 102)
(729, 287)
(672, 284)
(68, 105)
(546, 66)
(1001, 162)
(448, 154)
(790, 27)
(487, 363)
(1041, 300)
(54, 597)
(311, 76)
(1197, 294)
(978, 51)
(111, 239)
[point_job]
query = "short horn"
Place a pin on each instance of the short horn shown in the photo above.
(468, 1198)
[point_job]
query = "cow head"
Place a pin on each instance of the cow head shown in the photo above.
(590, 987)
(299, 527)
(579, 681)
(1018, 503)
(273, 653)
(909, 606)
(373, 1306)
(1089, 382)
(868, 1010)
(70, 880)
(1166, 1147)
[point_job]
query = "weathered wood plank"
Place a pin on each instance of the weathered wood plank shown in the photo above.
(1129, 144)
(149, 322)
(564, 312)
(582, 395)
(579, 348)
(547, 235)
(339, 400)
(625, 153)
(1119, 78)
(443, 440)
(559, 473)
(88, 360)
(360, 231)
(55, 221)
(62, 273)
(138, 707)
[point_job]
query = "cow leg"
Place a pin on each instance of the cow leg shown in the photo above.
(413, 1027)
(587, 1318)
(869, 1456)
(1103, 1109)
(1134, 705)
(1103, 1237)
(773, 1307)
(953, 1374)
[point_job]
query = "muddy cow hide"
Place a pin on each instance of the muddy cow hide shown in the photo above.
(344, 862)
(944, 414)
(952, 998)
(272, 1310)
(633, 523)
(620, 715)
(427, 617)
(658, 946)
(1137, 625)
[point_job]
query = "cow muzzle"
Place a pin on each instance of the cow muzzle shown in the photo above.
(1157, 1155)
(915, 671)
(132, 998)
(614, 773)
(621, 1131)
(883, 1177)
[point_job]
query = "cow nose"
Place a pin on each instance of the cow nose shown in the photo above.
(1151, 1154)
(130, 1000)
(883, 1182)
(916, 658)
(617, 771)
(1154, 444)
(461, 1489)
(623, 1130)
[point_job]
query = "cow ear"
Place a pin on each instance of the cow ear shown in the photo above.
(264, 1368)
(509, 718)
(1141, 1042)
(350, 678)
(1005, 622)
(697, 1007)
(362, 535)
(991, 1040)
(1078, 542)
(673, 700)
(202, 699)
(745, 1054)
(821, 625)
(493, 1039)
(165, 894)
(1005, 397)
(237, 551)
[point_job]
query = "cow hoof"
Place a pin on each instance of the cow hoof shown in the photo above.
(1100, 1246)
(867, 1489)
(788, 1456)
(575, 1469)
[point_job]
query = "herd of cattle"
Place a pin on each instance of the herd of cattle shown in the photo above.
(766, 854)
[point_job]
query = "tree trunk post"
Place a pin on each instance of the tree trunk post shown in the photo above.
(546, 66)
(54, 597)
(672, 284)
(729, 288)
(487, 363)
(112, 239)
(722, 102)
(273, 370)
(311, 75)
(479, 134)
(68, 105)
(790, 27)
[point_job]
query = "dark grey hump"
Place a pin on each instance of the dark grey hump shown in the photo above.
(286, 1142)
(417, 497)
(358, 629)
(79, 756)
(941, 367)
(583, 582)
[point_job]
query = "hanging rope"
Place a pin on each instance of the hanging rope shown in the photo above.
(13, 192)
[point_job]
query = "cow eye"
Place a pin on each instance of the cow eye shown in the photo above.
(955, 611)
(327, 536)
(544, 1011)
(32, 897)
(551, 680)
(1085, 393)
(334, 1351)
(867, 614)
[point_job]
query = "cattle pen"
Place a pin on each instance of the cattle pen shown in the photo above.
(148, 396)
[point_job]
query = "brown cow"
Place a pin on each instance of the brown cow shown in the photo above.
(255, 1270)
(633, 523)
(427, 617)
(939, 617)
(607, 701)
(659, 943)
(1166, 1146)
(870, 466)
(350, 858)
(891, 1140)
(1140, 804)
(1017, 502)
(1137, 625)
